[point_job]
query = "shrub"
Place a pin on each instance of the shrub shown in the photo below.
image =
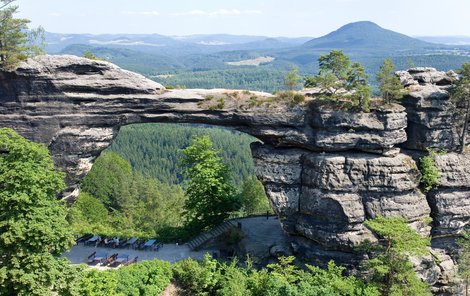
(429, 171)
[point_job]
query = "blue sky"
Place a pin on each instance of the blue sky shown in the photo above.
(250, 17)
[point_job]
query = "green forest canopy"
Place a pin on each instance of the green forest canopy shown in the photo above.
(153, 149)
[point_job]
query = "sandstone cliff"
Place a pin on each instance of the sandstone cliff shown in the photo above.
(325, 170)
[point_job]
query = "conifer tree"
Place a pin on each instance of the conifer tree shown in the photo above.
(390, 87)
(16, 44)
(461, 94)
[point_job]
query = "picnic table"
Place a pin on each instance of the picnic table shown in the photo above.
(100, 256)
(121, 259)
(93, 239)
(97, 257)
(149, 243)
(130, 242)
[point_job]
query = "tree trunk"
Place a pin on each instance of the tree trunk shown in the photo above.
(465, 127)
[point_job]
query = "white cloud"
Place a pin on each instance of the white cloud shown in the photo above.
(54, 14)
(219, 12)
(146, 13)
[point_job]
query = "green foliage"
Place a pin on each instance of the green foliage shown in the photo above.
(288, 97)
(429, 171)
(152, 149)
(90, 55)
(210, 277)
(461, 95)
(338, 79)
(357, 84)
(33, 229)
(292, 79)
(109, 180)
(211, 197)
(14, 38)
(464, 258)
(334, 71)
(146, 278)
(253, 197)
(390, 268)
(389, 84)
(118, 201)
(255, 78)
(88, 215)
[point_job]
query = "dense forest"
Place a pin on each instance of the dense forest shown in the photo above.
(153, 149)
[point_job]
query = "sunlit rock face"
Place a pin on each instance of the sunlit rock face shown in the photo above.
(325, 170)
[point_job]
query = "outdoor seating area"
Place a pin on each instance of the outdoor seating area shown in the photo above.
(110, 260)
(119, 243)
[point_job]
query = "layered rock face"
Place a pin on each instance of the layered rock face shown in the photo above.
(325, 170)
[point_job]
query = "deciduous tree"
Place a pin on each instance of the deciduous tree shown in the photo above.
(292, 79)
(211, 197)
(33, 229)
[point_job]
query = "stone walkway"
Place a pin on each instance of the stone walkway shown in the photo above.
(260, 234)
(169, 252)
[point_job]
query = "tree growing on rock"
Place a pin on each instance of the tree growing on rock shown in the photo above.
(461, 95)
(390, 268)
(33, 229)
(338, 79)
(331, 78)
(211, 197)
(390, 87)
(16, 42)
(292, 79)
(358, 85)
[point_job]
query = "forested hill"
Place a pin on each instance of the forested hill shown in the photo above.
(153, 149)
(225, 61)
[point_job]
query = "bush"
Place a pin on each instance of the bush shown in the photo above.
(214, 278)
(146, 278)
(429, 172)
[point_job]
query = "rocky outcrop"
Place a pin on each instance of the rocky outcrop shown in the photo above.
(433, 120)
(450, 200)
(326, 170)
(327, 196)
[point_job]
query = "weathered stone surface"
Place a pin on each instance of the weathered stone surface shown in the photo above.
(433, 119)
(325, 170)
(361, 172)
(450, 201)
(76, 107)
(326, 197)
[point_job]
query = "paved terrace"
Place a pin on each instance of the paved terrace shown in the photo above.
(260, 234)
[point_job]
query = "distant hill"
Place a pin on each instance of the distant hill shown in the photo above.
(213, 60)
(448, 40)
(367, 36)
(170, 45)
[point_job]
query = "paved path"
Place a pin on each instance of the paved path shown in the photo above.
(260, 234)
(170, 252)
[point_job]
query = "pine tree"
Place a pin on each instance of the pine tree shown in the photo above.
(390, 268)
(15, 42)
(389, 84)
(461, 94)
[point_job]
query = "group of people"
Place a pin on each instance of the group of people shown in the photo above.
(113, 242)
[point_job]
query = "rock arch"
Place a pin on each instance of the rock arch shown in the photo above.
(312, 155)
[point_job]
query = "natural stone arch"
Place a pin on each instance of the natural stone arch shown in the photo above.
(312, 153)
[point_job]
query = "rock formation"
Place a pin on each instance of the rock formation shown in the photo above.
(325, 170)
